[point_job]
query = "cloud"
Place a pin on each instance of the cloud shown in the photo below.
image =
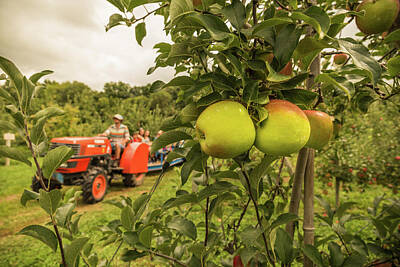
(68, 37)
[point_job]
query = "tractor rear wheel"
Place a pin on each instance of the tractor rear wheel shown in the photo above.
(36, 184)
(95, 185)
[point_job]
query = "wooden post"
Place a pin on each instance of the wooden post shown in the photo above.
(337, 190)
(296, 188)
(308, 223)
(8, 137)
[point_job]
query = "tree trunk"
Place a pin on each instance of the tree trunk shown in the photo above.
(337, 191)
(308, 223)
(296, 188)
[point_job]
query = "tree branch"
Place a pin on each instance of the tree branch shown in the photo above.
(168, 258)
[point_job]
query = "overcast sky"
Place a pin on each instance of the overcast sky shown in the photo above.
(68, 37)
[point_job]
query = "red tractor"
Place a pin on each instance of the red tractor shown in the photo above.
(93, 166)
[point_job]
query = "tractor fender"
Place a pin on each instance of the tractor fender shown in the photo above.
(135, 158)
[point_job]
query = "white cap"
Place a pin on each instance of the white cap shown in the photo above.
(118, 117)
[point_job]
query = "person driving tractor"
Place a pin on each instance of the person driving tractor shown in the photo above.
(119, 135)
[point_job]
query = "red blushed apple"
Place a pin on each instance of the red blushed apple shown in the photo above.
(379, 15)
(285, 131)
(340, 59)
(197, 2)
(237, 261)
(321, 128)
(287, 70)
(397, 158)
(330, 184)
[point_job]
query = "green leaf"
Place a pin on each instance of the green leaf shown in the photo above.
(8, 126)
(145, 236)
(336, 258)
(140, 32)
(28, 195)
(179, 8)
(36, 77)
(328, 79)
(183, 226)
(131, 255)
(54, 158)
(8, 97)
(168, 138)
(354, 260)
(216, 188)
(180, 200)
(246, 254)
(37, 133)
(41, 233)
(283, 219)
(264, 27)
(362, 58)
(393, 66)
(319, 15)
(359, 245)
(286, 42)
(72, 250)
(294, 81)
(27, 91)
(49, 201)
(127, 217)
(63, 213)
(394, 36)
(236, 14)
(180, 81)
(195, 160)
(139, 202)
(250, 91)
(284, 246)
(260, 170)
(307, 46)
(213, 24)
(209, 99)
(114, 20)
(309, 20)
(117, 4)
(343, 207)
(12, 72)
(313, 254)
(300, 97)
(14, 153)
(48, 113)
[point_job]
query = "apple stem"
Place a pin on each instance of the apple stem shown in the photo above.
(246, 176)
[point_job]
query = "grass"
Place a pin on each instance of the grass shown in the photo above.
(16, 250)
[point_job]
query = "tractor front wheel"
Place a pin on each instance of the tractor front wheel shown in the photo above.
(95, 185)
(36, 184)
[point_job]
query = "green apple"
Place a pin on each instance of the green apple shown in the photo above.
(379, 15)
(225, 130)
(321, 128)
(340, 59)
(285, 131)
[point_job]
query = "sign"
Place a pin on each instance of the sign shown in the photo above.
(9, 136)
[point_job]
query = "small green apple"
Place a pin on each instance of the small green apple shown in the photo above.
(379, 15)
(340, 59)
(285, 131)
(321, 128)
(225, 129)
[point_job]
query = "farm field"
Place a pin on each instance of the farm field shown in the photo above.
(17, 250)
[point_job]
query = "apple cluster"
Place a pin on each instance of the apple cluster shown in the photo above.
(226, 130)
